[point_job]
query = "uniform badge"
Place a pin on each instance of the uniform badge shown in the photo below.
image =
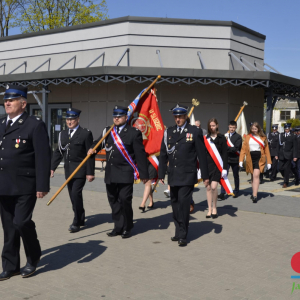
(170, 137)
(3, 121)
(20, 121)
(174, 131)
(116, 107)
(185, 129)
(69, 109)
(187, 137)
(7, 87)
(17, 143)
(169, 146)
(125, 129)
(191, 137)
(24, 141)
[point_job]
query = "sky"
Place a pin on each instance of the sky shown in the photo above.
(277, 19)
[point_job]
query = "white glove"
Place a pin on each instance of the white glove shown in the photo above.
(269, 166)
(224, 173)
(241, 164)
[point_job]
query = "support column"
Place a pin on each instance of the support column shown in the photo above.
(269, 112)
(45, 106)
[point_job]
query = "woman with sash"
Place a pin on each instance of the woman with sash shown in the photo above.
(256, 150)
(216, 152)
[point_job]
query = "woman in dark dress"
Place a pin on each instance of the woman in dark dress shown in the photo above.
(215, 174)
(148, 189)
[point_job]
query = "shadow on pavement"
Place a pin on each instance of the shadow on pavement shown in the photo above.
(59, 257)
(222, 210)
(198, 229)
(95, 220)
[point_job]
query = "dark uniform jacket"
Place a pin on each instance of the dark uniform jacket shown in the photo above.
(74, 151)
(24, 169)
(182, 169)
(237, 141)
(298, 146)
(117, 169)
(288, 149)
(273, 139)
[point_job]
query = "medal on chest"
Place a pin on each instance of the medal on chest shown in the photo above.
(189, 137)
(17, 143)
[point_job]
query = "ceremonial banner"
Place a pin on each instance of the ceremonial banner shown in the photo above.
(192, 119)
(242, 125)
(147, 118)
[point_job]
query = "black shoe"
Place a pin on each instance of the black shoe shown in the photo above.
(254, 199)
(296, 182)
(174, 239)
(150, 206)
(208, 216)
(29, 269)
(182, 242)
(236, 195)
(142, 208)
(261, 182)
(7, 274)
(113, 233)
(221, 196)
(214, 216)
(74, 228)
(126, 234)
(251, 197)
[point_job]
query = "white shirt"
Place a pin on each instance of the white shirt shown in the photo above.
(121, 127)
(231, 134)
(181, 128)
(13, 119)
(254, 146)
(74, 130)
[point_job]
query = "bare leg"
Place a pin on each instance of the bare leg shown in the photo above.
(255, 183)
(147, 192)
(209, 199)
(214, 195)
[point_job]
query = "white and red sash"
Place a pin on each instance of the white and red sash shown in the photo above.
(215, 155)
(258, 141)
(230, 144)
(119, 143)
(155, 163)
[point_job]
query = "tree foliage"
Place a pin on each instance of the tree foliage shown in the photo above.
(8, 11)
(294, 122)
(38, 15)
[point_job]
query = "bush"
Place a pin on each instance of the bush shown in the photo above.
(295, 122)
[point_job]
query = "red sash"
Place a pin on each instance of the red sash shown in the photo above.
(215, 155)
(257, 141)
(229, 144)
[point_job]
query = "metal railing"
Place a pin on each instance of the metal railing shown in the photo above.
(48, 60)
(102, 54)
(23, 63)
(128, 60)
(74, 57)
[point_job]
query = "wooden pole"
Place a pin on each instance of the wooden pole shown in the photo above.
(242, 108)
(192, 109)
(98, 144)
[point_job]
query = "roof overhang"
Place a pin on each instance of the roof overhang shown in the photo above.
(280, 83)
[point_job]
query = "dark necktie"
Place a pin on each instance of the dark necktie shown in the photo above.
(70, 132)
(8, 125)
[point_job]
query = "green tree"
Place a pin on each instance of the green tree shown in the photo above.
(294, 122)
(38, 15)
(8, 11)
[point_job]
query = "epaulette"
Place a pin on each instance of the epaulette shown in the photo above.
(2, 120)
(85, 129)
(35, 118)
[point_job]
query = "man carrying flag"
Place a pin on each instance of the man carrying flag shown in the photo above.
(126, 162)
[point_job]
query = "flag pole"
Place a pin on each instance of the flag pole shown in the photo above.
(94, 149)
(195, 102)
(242, 108)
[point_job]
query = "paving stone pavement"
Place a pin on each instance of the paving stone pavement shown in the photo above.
(243, 254)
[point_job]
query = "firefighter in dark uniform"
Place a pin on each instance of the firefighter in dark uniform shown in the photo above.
(181, 146)
(73, 144)
(287, 150)
(24, 175)
(119, 174)
(296, 164)
(273, 139)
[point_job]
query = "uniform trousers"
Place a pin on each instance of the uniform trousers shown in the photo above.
(120, 200)
(16, 214)
(75, 187)
(273, 172)
(235, 169)
(296, 169)
(285, 169)
(180, 200)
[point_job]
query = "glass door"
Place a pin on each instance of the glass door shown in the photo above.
(56, 120)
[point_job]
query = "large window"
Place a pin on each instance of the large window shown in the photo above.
(298, 114)
(285, 115)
